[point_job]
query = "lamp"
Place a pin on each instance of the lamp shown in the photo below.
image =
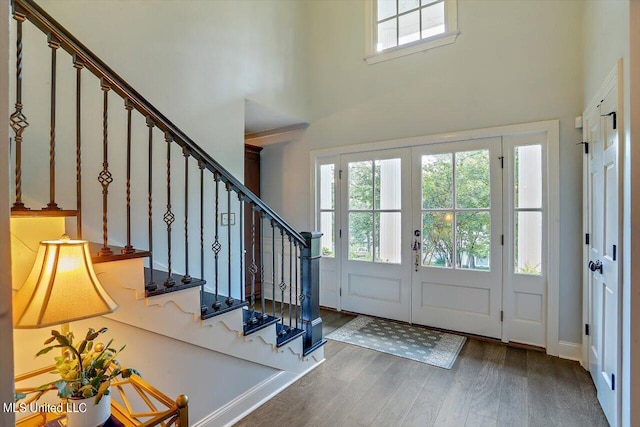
(62, 287)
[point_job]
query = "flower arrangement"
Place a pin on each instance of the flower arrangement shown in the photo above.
(86, 369)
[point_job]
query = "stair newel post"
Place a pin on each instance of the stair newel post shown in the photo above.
(169, 217)
(216, 246)
(186, 278)
(241, 244)
(229, 300)
(262, 304)
(104, 177)
(18, 120)
(291, 258)
(273, 267)
(54, 44)
(203, 308)
(310, 291)
(295, 281)
(78, 65)
(253, 268)
(283, 284)
(150, 285)
(128, 249)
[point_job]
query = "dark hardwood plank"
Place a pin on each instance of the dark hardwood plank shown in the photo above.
(490, 385)
(513, 409)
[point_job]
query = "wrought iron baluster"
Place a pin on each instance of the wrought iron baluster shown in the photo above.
(229, 299)
(253, 268)
(18, 120)
(105, 178)
(54, 44)
(203, 308)
(128, 249)
(151, 285)
(186, 278)
(169, 217)
(78, 65)
(216, 246)
(262, 304)
(290, 279)
(283, 285)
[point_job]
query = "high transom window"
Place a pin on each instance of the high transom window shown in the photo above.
(401, 27)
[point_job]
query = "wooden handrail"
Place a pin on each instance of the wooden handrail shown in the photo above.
(43, 21)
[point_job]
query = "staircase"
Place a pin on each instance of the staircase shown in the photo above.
(126, 182)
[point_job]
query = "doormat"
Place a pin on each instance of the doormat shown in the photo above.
(411, 342)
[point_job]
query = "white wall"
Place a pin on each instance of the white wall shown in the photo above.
(514, 61)
(609, 35)
(6, 331)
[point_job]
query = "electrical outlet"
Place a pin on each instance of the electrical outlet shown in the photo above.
(228, 219)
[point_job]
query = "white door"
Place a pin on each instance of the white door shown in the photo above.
(457, 246)
(603, 268)
(376, 273)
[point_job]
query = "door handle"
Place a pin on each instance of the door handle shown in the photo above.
(595, 266)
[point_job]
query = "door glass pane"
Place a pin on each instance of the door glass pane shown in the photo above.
(433, 20)
(437, 181)
(409, 27)
(473, 240)
(360, 185)
(387, 184)
(528, 243)
(387, 36)
(437, 239)
(528, 176)
(386, 8)
(387, 239)
(473, 186)
(327, 228)
(327, 187)
(361, 236)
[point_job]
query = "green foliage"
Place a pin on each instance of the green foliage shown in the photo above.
(327, 251)
(529, 269)
(472, 227)
(86, 369)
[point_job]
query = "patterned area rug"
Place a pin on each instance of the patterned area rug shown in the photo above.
(411, 342)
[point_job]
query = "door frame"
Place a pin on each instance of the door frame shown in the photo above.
(551, 128)
(615, 77)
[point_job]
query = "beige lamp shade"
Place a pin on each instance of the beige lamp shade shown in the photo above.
(62, 287)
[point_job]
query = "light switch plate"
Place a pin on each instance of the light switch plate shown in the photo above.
(225, 218)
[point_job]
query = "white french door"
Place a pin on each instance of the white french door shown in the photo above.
(457, 217)
(376, 200)
(451, 235)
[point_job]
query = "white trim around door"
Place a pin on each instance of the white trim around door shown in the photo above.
(550, 134)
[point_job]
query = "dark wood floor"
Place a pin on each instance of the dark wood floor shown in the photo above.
(489, 385)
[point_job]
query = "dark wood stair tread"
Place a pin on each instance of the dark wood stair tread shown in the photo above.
(117, 254)
(62, 213)
(288, 335)
(210, 298)
(263, 320)
(160, 278)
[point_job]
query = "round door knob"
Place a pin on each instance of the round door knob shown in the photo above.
(595, 266)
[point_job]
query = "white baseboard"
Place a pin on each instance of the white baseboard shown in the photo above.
(250, 400)
(570, 350)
